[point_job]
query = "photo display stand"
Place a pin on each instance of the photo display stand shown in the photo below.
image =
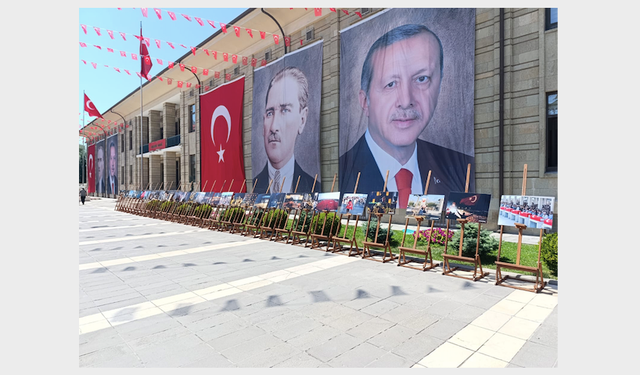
(316, 238)
(296, 235)
(265, 229)
(377, 246)
(283, 233)
(253, 225)
(238, 219)
(217, 213)
(428, 258)
(195, 214)
(226, 218)
(248, 214)
(539, 282)
(478, 273)
(338, 242)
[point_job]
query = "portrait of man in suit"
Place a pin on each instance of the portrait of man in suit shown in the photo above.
(284, 120)
(100, 186)
(400, 86)
(112, 181)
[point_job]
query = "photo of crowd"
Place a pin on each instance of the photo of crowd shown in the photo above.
(326, 201)
(225, 198)
(532, 211)
(426, 206)
(470, 206)
(249, 199)
(353, 204)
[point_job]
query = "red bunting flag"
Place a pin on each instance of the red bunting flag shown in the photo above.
(134, 56)
(276, 38)
(169, 81)
(117, 70)
(161, 80)
(170, 65)
(206, 51)
(123, 36)
(138, 73)
(262, 34)
(97, 29)
(98, 47)
(158, 43)
(123, 54)
(359, 14)
(216, 74)
(188, 84)
(187, 17)
(172, 15)
(234, 58)
(215, 54)
(223, 26)
(110, 33)
(85, 63)
(84, 28)
(83, 44)
(206, 88)
(144, 12)
(225, 56)
(193, 49)
(146, 63)
(181, 67)
(194, 70)
(127, 72)
(171, 45)
(301, 41)
(183, 46)
(90, 108)
(263, 62)
(227, 77)
(211, 23)
(158, 13)
(159, 61)
(332, 9)
(317, 11)
(146, 40)
(205, 72)
(287, 41)
(109, 49)
(237, 30)
(244, 60)
(199, 20)
(345, 11)
(250, 33)
(180, 84)
(253, 62)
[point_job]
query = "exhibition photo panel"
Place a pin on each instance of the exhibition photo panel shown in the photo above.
(473, 207)
(353, 204)
(425, 206)
(382, 202)
(327, 201)
(532, 211)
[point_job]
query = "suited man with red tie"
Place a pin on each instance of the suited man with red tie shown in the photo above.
(400, 85)
(112, 179)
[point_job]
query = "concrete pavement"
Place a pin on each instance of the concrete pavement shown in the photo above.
(160, 294)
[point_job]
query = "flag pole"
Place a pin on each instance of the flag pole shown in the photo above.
(141, 120)
(86, 149)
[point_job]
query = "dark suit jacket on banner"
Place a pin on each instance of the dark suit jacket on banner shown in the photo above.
(305, 185)
(115, 182)
(448, 169)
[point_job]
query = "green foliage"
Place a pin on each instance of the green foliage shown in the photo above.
(203, 210)
(275, 219)
(182, 208)
(469, 243)
(233, 214)
(549, 252)
(152, 205)
(332, 225)
(304, 221)
(382, 232)
(165, 205)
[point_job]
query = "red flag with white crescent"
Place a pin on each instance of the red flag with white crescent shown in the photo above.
(221, 136)
(90, 108)
(145, 60)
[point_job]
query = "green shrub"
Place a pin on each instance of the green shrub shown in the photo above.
(549, 252)
(382, 232)
(469, 243)
(182, 208)
(233, 214)
(304, 221)
(275, 219)
(152, 205)
(165, 205)
(332, 225)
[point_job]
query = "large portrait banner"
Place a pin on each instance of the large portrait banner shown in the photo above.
(285, 125)
(91, 165)
(221, 136)
(112, 164)
(100, 172)
(407, 101)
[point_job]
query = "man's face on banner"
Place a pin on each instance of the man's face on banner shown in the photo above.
(112, 161)
(404, 89)
(283, 121)
(100, 162)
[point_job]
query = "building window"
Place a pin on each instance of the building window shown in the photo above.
(121, 174)
(192, 118)
(121, 143)
(236, 70)
(177, 123)
(310, 34)
(130, 140)
(192, 168)
(130, 174)
(551, 18)
(267, 55)
(364, 11)
(552, 132)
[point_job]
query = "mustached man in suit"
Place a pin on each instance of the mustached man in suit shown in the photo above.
(400, 85)
(284, 119)
(112, 179)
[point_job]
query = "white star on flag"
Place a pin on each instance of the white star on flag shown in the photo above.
(220, 154)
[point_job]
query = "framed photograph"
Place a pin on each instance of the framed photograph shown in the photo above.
(471, 206)
(296, 201)
(353, 204)
(276, 200)
(237, 199)
(262, 200)
(426, 206)
(199, 197)
(327, 201)
(382, 202)
(532, 211)
(249, 199)
(215, 199)
(225, 198)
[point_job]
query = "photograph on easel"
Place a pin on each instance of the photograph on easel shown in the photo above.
(326, 201)
(473, 207)
(353, 204)
(225, 198)
(276, 200)
(425, 206)
(237, 199)
(262, 200)
(532, 211)
(382, 202)
(199, 197)
(296, 201)
(215, 199)
(249, 199)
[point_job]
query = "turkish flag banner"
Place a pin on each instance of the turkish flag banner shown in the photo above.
(91, 165)
(244, 60)
(205, 72)
(262, 34)
(234, 58)
(90, 108)
(216, 74)
(287, 41)
(227, 77)
(254, 61)
(225, 56)
(221, 137)
(317, 11)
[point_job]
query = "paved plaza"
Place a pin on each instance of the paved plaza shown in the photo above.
(158, 294)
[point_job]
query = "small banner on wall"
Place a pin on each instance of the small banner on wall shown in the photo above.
(221, 137)
(91, 165)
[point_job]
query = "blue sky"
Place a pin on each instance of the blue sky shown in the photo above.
(104, 85)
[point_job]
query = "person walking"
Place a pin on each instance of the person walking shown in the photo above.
(83, 195)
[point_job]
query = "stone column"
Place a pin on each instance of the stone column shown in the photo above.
(154, 126)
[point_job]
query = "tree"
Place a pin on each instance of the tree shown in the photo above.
(82, 163)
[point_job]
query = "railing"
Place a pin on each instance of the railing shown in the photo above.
(171, 141)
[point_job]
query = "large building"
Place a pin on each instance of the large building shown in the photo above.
(514, 91)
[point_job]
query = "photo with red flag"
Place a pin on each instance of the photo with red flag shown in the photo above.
(91, 165)
(221, 137)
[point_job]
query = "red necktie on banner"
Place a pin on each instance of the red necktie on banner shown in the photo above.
(403, 182)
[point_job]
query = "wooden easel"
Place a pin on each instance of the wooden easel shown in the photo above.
(282, 234)
(253, 227)
(238, 218)
(267, 231)
(428, 257)
(242, 225)
(539, 282)
(316, 238)
(217, 214)
(353, 244)
(447, 269)
(386, 247)
(224, 224)
(296, 235)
